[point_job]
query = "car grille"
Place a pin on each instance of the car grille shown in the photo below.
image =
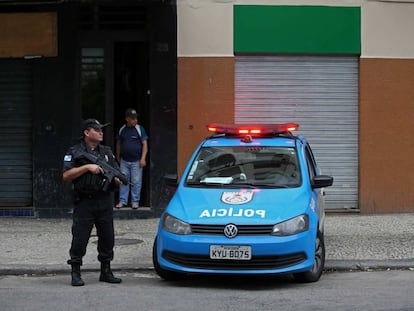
(256, 263)
(242, 229)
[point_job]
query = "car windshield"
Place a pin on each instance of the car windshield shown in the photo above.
(257, 167)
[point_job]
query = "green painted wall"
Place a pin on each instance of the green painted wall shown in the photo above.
(297, 29)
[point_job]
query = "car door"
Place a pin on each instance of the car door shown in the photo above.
(314, 170)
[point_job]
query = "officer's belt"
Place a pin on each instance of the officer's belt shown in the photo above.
(93, 196)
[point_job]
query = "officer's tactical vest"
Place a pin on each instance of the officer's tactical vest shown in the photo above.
(89, 183)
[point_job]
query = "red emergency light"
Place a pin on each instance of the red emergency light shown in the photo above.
(252, 129)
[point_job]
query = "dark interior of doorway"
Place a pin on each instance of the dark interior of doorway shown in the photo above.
(131, 84)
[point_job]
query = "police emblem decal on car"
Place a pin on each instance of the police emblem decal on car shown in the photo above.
(230, 231)
(237, 197)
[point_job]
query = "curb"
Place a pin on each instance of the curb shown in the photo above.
(369, 265)
(330, 266)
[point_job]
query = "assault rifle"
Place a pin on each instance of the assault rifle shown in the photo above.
(109, 172)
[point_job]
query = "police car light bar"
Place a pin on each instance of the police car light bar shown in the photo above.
(252, 129)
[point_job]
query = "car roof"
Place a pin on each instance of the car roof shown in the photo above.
(222, 141)
(253, 135)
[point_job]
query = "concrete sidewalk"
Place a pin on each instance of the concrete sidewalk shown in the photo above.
(353, 242)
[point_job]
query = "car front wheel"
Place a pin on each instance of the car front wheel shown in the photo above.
(315, 273)
(163, 273)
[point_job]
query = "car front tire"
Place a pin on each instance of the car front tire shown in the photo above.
(163, 273)
(315, 273)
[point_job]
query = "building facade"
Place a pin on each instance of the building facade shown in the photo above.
(64, 61)
(342, 69)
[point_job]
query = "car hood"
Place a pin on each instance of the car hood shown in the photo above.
(241, 206)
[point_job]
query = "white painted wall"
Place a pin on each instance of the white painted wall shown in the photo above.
(205, 27)
(387, 30)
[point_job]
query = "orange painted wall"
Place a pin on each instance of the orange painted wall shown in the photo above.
(386, 136)
(205, 95)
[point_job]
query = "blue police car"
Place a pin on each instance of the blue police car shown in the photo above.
(250, 202)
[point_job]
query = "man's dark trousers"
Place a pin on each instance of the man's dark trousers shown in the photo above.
(92, 210)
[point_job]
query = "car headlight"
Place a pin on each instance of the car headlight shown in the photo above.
(176, 226)
(291, 226)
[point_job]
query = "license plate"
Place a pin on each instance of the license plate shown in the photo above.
(234, 252)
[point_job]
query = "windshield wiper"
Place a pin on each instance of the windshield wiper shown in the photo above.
(194, 184)
(211, 185)
(259, 185)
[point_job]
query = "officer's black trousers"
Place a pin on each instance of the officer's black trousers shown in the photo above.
(88, 212)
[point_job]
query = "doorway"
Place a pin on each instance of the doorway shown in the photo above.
(114, 77)
(130, 91)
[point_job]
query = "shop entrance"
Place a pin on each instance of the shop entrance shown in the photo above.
(113, 78)
(130, 91)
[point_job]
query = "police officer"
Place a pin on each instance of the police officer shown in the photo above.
(93, 206)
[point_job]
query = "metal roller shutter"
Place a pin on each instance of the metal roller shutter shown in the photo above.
(318, 92)
(15, 134)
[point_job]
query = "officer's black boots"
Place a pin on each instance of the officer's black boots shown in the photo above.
(76, 276)
(107, 275)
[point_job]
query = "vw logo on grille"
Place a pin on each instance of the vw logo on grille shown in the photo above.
(230, 231)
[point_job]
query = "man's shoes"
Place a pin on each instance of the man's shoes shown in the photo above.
(107, 275)
(119, 205)
(76, 276)
(134, 206)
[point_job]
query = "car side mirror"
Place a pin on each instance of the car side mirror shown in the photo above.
(171, 180)
(321, 181)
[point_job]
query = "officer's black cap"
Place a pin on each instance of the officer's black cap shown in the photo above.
(92, 123)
